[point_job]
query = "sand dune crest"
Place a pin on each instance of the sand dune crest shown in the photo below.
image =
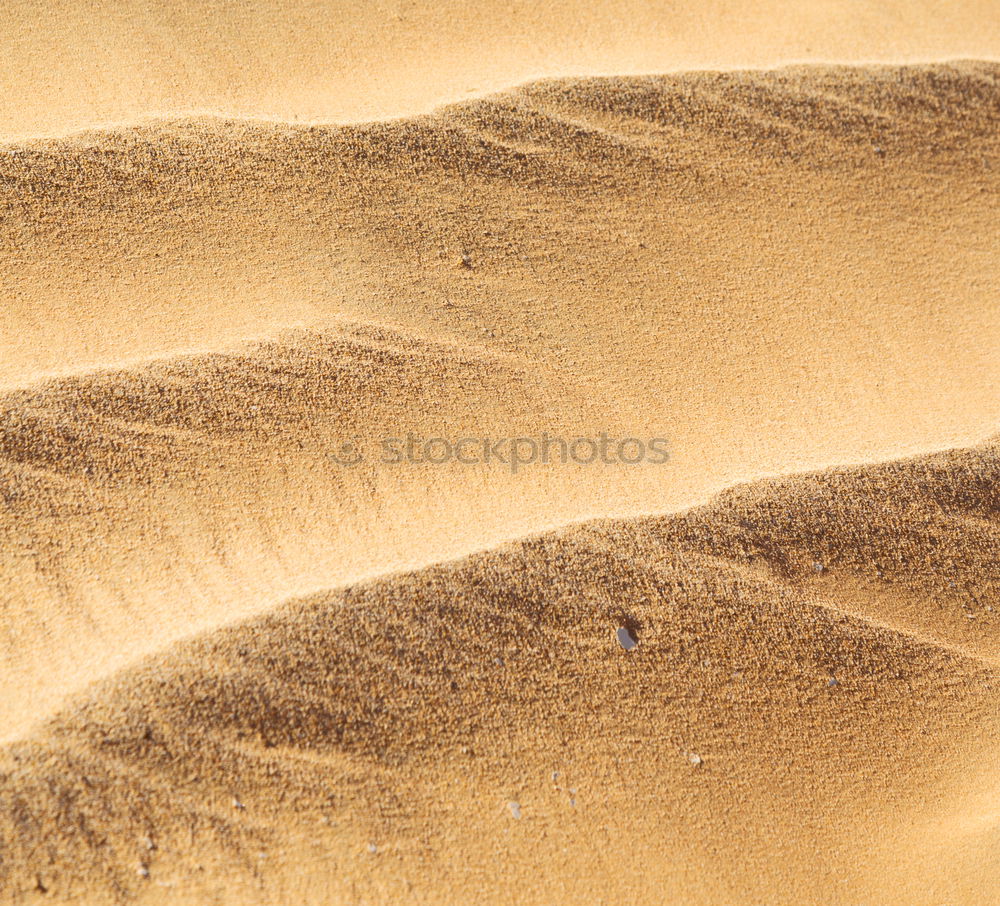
(211, 323)
(379, 733)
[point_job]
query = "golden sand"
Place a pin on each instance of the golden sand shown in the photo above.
(71, 64)
(474, 732)
(238, 666)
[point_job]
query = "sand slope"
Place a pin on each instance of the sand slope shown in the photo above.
(76, 63)
(143, 505)
(776, 271)
(472, 731)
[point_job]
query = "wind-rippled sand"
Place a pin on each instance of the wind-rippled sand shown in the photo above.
(234, 669)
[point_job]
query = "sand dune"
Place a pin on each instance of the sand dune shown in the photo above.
(645, 236)
(775, 271)
(71, 64)
(474, 731)
(212, 317)
(143, 505)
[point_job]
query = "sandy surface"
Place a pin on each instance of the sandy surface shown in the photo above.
(70, 64)
(809, 716)
(243, 659)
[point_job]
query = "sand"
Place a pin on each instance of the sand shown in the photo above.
(474, 731)
(70, 64)
(244, 660)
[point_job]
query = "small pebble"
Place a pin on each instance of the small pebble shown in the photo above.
(372, 848)
(515, 809)
(625, 638)
(694, 758)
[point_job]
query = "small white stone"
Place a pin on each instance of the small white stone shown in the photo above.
(515, 809)
(694, 758)
(625, 638)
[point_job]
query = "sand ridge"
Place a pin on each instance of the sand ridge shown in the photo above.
(576, 257)
(395, 737)
(776, 271)
(73, 64)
